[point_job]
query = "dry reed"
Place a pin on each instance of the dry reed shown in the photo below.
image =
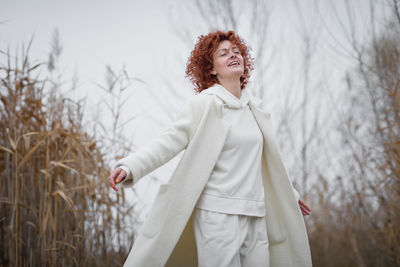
(55, 206)
(356, 219)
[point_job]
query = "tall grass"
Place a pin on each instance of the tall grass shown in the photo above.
(356, 218)
(55, 206)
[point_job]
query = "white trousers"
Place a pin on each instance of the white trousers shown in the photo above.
(224, 240)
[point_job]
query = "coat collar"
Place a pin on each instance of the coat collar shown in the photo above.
(231, 101)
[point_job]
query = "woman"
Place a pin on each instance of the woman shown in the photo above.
(230, 191)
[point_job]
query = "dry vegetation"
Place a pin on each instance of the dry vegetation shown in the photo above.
(357, 218)
(55, 206)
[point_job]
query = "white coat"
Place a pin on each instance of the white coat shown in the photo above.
(166, 237)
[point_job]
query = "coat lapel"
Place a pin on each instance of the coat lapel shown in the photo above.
(287, 234)
(274, 223)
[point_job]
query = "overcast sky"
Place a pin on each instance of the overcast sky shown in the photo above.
(137, 34)
(93, 34)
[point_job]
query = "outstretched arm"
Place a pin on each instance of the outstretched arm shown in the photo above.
(162, 149)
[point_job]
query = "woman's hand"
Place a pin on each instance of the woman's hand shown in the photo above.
(117, 176)
(304, 208)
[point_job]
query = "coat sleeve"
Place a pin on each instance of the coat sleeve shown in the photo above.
(164, 147)
(126, 169)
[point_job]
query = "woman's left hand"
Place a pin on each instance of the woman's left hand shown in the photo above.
(304, 208)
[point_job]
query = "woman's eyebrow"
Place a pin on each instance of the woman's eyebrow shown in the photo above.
(227, 49)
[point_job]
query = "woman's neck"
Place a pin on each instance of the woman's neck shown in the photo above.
(233, 87)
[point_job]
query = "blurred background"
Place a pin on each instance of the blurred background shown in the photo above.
(84, 83)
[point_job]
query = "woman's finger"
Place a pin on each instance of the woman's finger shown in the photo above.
(112, 183)
(121, 176)
(112, 177)
(305, 211)
(307, 207)
(304, 205)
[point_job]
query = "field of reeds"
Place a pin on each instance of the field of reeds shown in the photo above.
(55, 206)
(356, 220)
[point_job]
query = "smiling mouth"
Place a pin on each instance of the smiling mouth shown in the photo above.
(234, 63)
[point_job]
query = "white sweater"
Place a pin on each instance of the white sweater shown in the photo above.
(235, 185)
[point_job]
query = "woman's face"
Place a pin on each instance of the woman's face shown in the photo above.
(227, 61)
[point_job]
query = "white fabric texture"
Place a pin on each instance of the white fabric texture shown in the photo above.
(229, 240)
(235, 185)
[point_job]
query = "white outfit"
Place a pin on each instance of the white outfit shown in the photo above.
(166, 237)
(229, 240)
(225, 233)
(229, 224)
(235, 185)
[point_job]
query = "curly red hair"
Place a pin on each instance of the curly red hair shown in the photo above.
(200, 62)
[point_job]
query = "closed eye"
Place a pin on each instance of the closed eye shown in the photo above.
(234, 52)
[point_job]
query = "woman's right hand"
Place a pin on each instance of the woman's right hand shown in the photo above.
(117, 176)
